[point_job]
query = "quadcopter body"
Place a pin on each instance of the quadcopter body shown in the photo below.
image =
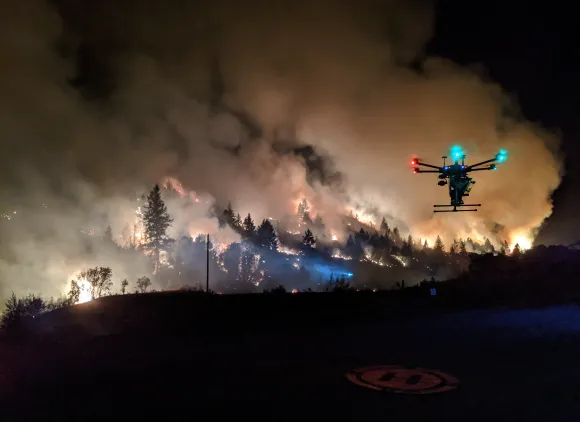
(456, 176)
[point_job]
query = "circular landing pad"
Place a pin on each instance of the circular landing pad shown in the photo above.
(403, 379)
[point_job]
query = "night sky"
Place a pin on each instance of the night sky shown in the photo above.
(533, 51)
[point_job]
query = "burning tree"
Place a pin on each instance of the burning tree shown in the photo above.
(249, 227)
(462, 248)
(248, 270)
(397, 237)
(488, 247)
(266, 236)
(237, 222)
(502, 249)
(303, 211)
(74, 294)
(454, 249)
(96, 280)
(439, 248)
(385, 229)
(156, 220)
(228, 217)
(308, 240)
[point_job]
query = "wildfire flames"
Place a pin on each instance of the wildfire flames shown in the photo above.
(85, 291)
(220, 242)
(524, 241)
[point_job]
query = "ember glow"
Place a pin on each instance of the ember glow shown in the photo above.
(404, 261)
(339, 255)
(288, 251)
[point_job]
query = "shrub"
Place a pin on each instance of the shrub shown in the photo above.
(18, 310)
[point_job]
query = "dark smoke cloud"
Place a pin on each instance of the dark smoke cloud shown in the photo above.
(258, 102)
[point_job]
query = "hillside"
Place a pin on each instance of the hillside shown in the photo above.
(284, 357)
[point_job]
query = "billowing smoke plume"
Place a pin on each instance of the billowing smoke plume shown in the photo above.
(258, 102)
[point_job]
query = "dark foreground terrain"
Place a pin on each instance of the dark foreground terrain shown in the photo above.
(175, 356)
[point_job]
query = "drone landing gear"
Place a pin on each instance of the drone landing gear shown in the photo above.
(457, 206)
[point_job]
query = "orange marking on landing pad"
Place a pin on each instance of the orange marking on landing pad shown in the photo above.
(401, 379)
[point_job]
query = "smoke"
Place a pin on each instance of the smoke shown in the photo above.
(261, 103)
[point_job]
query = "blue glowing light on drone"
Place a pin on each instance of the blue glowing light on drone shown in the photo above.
(457, 152)
(502, 155)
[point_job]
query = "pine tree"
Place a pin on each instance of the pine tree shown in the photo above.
(488, 246)
(517, 250)
(452, 250)
(318, 221)
(249, 227)
(462, 248)
(406, 249)
(410, 241)
(308, 239)
(108, 235)
(156, 221)
(237, 222)
(303, 209)
(396, 237)
(425, 246)
(385, 230)
(349, 241)
(361, 236)
(266, 236)
(228, 216)
(506, 246)
(470, 243)
(502, 250)
(439, 247)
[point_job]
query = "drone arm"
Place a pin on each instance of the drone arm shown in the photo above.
(481, 169)
(483, 162)
(427, 171)
(429, 165)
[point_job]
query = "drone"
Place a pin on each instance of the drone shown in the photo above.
(456, 176)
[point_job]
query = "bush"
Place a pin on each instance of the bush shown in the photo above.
(142, 284)
(19, 310)
(277, 290)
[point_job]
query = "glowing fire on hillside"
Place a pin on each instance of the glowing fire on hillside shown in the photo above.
(85, 292)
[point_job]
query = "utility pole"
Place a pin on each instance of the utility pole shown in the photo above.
(207, 266)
